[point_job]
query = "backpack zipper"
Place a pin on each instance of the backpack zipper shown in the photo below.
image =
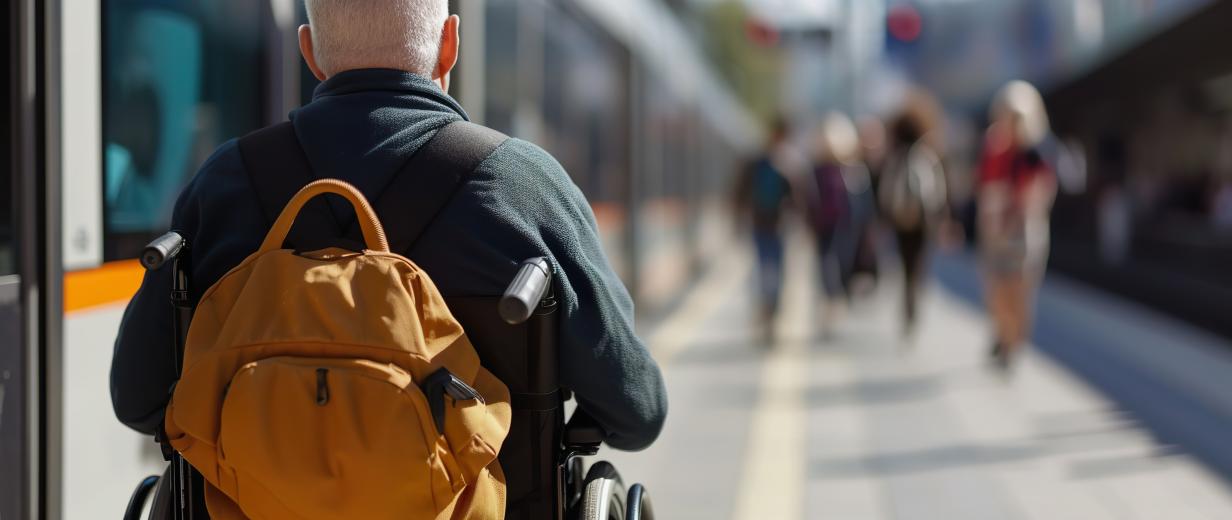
(322, 387)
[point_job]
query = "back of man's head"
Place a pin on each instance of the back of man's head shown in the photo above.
(392, 34)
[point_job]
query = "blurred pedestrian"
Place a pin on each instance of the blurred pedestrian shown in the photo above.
(1016, 190)
(912, 192)
(872, 153)
(835, 150)
(857, 241)
(841, 207)
(762, 194)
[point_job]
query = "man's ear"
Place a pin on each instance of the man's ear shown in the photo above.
(448, 56)
(305, 48)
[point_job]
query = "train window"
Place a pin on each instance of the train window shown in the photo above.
(179, 79)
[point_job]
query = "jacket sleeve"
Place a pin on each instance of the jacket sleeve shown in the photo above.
(602, 360)
(142, 365)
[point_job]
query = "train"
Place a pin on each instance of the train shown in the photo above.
(113, 104)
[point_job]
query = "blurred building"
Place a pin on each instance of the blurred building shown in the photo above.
(965, 49)
(1154, 117)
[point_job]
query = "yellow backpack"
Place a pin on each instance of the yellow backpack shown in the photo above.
(336, 384)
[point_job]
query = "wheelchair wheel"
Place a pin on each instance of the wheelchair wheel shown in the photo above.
(604, 498)
(136, 503)
(160, 506)
(639, 504)
(151, 500)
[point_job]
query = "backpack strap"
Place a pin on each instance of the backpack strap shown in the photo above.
(278, 169)
(429, 180)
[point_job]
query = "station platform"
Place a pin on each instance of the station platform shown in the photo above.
(1117, 413)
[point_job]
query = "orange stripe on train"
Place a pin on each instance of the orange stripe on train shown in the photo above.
(113, 282)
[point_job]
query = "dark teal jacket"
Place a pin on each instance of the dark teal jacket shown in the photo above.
(361, 126)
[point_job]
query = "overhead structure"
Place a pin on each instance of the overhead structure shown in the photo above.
(654, 34)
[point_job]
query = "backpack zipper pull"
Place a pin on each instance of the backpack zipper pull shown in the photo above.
(322, 387)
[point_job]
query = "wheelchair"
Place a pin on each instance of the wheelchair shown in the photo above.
(515, 335)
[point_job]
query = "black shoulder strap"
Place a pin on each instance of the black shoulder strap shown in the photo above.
(429, 180)
(278, 169)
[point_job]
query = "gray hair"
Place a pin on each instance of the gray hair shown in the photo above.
(397, 34)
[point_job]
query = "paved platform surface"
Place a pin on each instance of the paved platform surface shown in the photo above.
(1119, 414)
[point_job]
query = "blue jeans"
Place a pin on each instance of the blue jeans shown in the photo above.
(769, 267)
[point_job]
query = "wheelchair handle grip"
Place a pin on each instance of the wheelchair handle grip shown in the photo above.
(163, 248)
(526, 290)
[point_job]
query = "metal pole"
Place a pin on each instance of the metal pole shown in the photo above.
(24, 159)
(36, 110)
(637, 167)
(52, 268)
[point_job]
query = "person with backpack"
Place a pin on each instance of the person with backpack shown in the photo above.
(1016, 188)
(466, 204)
(761, 194)
(911, 194)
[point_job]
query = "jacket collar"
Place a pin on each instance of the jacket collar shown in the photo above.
(397, 82)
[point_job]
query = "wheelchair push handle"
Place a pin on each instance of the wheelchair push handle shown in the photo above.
(163, 248)
(582, 436)
(582, 430)
(526, 290)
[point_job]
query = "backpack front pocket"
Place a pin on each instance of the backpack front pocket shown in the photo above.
(333, 438)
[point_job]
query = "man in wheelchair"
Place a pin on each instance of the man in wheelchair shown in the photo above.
(382, 120)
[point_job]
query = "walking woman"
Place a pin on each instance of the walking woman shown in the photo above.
(835, 150)
(912, 193)
(1016, 189)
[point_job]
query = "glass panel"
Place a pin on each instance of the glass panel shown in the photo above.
(7, 181)
(179, 79)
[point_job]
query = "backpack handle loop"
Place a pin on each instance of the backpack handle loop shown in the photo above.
(374, 234)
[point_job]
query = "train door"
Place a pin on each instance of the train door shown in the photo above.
(27, 265)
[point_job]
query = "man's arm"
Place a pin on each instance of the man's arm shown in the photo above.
(142, 369)
(603, 362)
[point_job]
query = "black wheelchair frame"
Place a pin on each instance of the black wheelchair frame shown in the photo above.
(542, 457)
